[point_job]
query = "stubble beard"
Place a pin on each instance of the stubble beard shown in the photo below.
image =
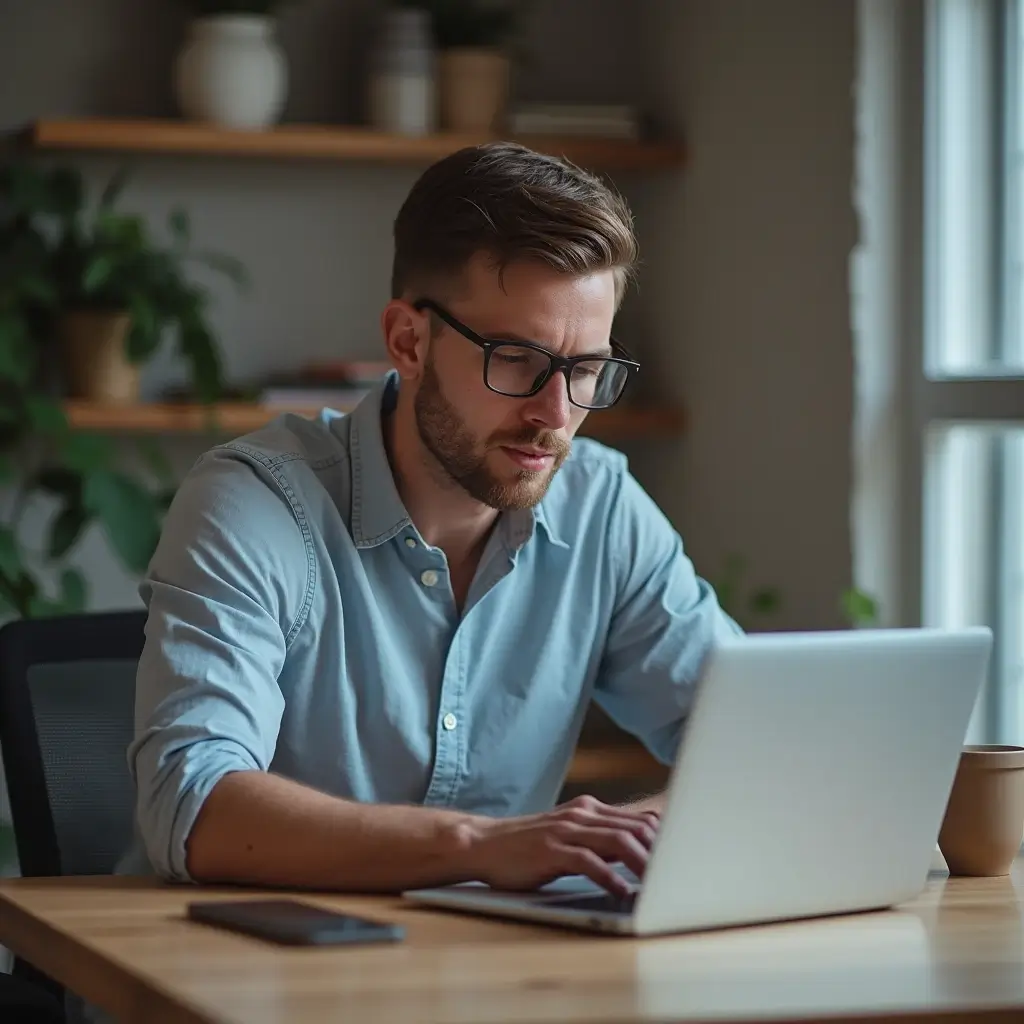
(464, 461)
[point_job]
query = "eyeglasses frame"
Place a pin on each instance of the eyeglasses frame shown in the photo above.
(557, 364)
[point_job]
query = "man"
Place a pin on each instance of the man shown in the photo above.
(372, 639)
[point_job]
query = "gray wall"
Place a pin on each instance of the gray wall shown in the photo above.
(743, 309)
(746, 287)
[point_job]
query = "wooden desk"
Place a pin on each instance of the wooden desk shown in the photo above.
(955, 953)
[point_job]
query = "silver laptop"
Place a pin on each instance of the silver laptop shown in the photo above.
(812, 779)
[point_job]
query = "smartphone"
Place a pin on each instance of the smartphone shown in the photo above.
(293, 922)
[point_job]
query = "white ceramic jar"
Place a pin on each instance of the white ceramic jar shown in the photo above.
(232, 72)
(402, 90)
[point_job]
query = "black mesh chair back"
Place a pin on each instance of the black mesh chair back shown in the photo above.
(67, 705)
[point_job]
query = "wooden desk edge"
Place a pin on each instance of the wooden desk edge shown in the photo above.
(90, 975)
(129, 998)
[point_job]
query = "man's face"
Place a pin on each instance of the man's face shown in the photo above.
(504, 451)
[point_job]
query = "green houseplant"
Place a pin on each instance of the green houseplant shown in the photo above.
(750, 605)
(62, 259)
(860, 609)
(746, 605)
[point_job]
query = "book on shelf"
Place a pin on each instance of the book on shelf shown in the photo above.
(335, 383)
(584, 120)
(311, 397)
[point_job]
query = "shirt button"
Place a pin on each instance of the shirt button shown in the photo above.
(449, 721)
(428, 578)
(410, 542)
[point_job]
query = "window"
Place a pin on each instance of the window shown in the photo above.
(972, 367)
(939, 300)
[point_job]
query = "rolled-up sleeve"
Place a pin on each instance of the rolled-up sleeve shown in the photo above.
(666, 619)
(224, 592)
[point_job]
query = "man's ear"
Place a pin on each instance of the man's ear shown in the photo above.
(406, 337)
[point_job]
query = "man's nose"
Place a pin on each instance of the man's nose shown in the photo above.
(550, 407)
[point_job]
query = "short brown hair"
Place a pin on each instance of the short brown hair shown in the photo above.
(515, 205)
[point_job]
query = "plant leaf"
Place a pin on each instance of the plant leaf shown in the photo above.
(73, 591)
(45, 415)
(144, 336)
(17, 357)
(41, 607)
(10, 557)
(181, 229)
(66, 528)
(765, 601)
(98, 272)
(199, 348)
(23, 255)
(58, 480)
(66, 192)
(86, 453)
(124, 231)
(128, 514)
(859, 608)
(39, 289)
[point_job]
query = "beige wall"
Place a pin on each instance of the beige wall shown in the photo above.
(746, 289)
(743, 309)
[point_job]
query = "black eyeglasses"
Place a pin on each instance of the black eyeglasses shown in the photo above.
(518, 369)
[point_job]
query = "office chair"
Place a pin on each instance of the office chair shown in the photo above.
(67, 707)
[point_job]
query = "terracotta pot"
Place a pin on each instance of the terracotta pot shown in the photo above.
(473, 89)
(96, 365)
(983, 826)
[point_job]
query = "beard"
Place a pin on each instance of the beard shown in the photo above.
(463, 458)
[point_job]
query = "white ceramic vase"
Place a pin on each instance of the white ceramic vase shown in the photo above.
(232, 72)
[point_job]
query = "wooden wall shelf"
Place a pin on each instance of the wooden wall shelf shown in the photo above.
(325, 142)
(241, 417)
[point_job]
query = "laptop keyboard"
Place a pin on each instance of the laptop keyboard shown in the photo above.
(601, 902)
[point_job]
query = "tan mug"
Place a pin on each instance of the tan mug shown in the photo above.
(983, 826)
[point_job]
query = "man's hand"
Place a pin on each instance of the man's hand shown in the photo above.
(581, 837)
(654, 803)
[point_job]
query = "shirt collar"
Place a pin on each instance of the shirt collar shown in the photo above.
(378, 513)
(543, 520)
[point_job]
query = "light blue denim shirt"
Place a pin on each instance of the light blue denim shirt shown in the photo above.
(299, 624)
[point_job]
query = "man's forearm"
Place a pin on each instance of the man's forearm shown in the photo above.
(263, 829)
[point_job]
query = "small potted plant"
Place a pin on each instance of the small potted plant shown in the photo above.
(104, 290)
(231, 70)
(92, 279)
(473, 63)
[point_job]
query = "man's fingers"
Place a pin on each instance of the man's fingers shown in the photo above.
(613, 817)
(641, 830)
(611, 844)
(578, 860)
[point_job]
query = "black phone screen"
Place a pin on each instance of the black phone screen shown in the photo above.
(293, 922)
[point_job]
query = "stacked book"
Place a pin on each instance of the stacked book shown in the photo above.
(337, 384)
(588, 120)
